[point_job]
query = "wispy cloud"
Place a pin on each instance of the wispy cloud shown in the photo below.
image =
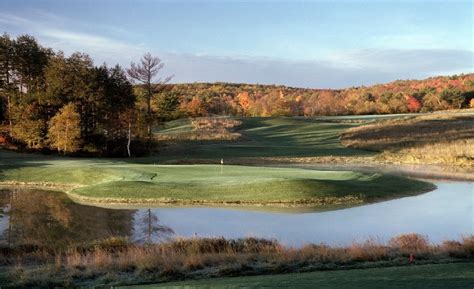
(13, 20)
(49, 17)
(89, 42)
(44, 27)
(350, 68)
(389, 60)
(342, 68)
(434, 40)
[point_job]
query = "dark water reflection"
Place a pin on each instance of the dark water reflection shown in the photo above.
(45, 218)
(51, 218)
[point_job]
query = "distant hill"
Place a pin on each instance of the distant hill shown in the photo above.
(401, 96)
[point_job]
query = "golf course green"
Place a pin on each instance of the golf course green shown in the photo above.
(111, 181)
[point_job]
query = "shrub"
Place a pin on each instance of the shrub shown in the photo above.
(206, 129)
(367, 251)
(468, 246)
(410, 243)
(452, 248)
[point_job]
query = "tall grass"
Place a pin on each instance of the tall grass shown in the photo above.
(114, 261)
(441, 138)
(206, 129)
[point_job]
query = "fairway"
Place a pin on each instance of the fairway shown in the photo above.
(268, 137)
(453, 276)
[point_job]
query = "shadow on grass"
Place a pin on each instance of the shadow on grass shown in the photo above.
(269, 137)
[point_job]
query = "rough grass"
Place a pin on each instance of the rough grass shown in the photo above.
(115, 182)
(442, 138)
(116, 262)
(441, 276)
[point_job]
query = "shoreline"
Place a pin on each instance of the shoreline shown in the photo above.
(316, 202)
(323, 203)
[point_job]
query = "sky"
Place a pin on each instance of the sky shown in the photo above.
(315, 44)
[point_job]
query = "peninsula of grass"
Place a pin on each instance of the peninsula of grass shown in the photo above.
(119, 182)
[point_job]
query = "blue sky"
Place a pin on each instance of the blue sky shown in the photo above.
(325, 44)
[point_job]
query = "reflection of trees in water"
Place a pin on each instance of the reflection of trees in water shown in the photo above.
(153, 229)
(51, 218)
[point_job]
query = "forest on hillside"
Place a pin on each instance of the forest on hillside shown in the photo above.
(401, 96)
(53, 102)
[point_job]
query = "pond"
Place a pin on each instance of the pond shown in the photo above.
(41, 217)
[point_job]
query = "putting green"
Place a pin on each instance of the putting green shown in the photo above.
(120, 182)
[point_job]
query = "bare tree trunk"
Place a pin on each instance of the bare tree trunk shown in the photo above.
(129, 137)
(106, 133)
(149, 120)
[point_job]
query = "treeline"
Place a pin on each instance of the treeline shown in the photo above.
(53, 102)
(438, 93)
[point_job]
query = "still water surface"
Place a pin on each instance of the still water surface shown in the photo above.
(28, 216)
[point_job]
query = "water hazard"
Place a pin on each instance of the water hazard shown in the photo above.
(41, 217)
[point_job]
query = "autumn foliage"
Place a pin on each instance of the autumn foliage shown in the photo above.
(413, 104)
(401, 96)
(64, 130)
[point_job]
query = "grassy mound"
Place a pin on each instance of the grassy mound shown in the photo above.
(213, 184)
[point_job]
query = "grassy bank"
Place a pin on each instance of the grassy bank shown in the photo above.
(439, 276)
(116, 262)
(441, 138)
(120, 182)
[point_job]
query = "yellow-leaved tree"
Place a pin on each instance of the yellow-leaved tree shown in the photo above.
(64, 131)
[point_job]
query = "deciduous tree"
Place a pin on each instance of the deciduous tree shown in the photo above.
(145, 73)
(64, 130)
